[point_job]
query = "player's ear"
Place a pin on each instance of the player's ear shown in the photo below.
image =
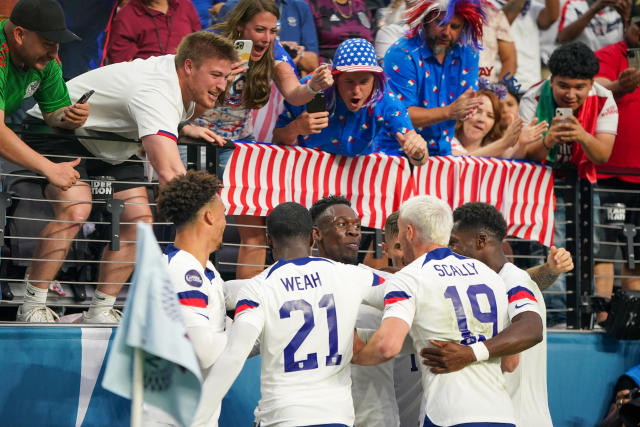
(385, 248)
(481, 240)
(269, 241)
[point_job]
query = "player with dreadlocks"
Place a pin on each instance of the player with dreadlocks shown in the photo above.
(434, 68)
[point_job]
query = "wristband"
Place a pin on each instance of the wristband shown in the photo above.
(545, 145)
(310, 89)
(480, 351)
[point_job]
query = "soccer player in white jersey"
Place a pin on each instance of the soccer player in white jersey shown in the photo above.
(336, 231)
(406, 373)
(304, 312)
(192, 203)
(478, 232)
(444, 296)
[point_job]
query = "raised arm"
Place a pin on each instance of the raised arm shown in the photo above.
(295, 93)
(558, 261)
(549, 14)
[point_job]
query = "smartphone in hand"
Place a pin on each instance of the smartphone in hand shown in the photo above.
(84, 98)
(317, 104)
(243, 47)
(564, 113)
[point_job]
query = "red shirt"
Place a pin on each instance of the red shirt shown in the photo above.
(140, 32)
(613, 60)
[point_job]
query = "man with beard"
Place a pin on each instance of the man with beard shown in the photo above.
(336, 231)
(192, 203)
(434, 68)
(29, 42)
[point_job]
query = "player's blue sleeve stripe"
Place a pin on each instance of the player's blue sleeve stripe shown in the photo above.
(245, 304)
(395, 296)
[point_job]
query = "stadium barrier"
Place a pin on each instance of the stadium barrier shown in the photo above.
(53, 377)
(259, 176)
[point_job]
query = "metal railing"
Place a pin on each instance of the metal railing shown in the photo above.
(79, 273)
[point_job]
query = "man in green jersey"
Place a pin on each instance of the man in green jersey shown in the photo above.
(29, 67)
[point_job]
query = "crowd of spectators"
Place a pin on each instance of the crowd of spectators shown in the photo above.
(417, 77)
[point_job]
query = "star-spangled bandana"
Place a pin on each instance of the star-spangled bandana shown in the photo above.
(356, 55)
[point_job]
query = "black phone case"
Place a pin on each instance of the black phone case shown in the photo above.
(317, 104)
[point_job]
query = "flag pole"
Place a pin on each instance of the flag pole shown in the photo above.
(138, 389)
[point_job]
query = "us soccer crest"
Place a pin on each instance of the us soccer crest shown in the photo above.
(32, 88)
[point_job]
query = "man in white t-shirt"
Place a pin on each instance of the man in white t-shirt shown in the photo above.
(141, 99)
(424, 297)
(478, 232)
(191, 202)
(527, 18)
(304, 316)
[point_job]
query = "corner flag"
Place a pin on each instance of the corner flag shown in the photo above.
(152, 322)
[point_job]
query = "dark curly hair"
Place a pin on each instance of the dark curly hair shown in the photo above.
(575, 61)
(289, 220)
(182, 197)
(480, 216)
(318, 208)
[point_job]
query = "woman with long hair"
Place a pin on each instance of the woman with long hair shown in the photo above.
(488, 133)
(249, 89)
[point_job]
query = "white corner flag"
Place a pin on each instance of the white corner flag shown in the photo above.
(152, 325)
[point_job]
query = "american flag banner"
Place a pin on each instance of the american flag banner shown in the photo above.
(264, 119)
(522, 191)
(260, 176)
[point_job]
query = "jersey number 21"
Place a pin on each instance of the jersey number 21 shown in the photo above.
(311, 362)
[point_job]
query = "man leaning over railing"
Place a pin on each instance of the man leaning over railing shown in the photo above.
(29, 42)
(144, 99)
(360, 114)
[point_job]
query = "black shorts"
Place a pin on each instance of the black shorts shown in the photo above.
(63, 148)
(610, 213)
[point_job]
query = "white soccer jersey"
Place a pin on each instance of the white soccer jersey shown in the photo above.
(374, 398)
(306, 310)
(408, 388)
(445, 296)
(200, 294)
(527, 385)
(199, 290)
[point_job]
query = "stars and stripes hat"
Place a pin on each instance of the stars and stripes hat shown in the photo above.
(355, 55)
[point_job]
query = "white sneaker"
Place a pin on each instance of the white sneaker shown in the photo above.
(37, 314)
(110, 315)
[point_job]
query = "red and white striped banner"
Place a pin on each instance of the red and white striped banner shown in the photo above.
(522, 191)
(259, 176)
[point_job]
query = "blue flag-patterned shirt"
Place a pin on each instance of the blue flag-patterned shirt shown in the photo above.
(419, 80)
(369, 130)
